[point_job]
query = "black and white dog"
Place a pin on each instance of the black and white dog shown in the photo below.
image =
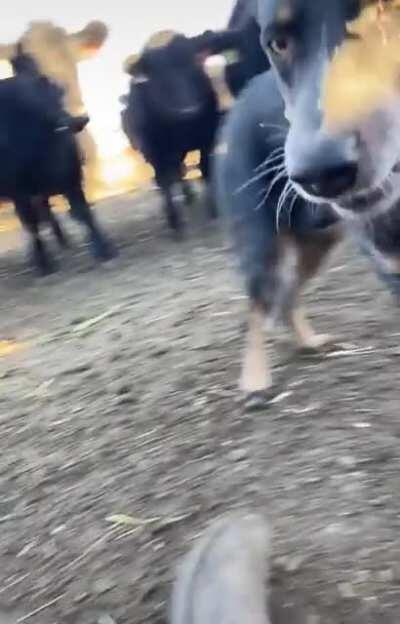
(289, 185)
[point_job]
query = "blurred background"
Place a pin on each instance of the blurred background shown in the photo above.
(102, 79)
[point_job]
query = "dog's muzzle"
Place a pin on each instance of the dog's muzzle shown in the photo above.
(327, 183)
(323, 167)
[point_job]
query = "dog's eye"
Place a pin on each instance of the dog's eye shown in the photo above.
(279, 46)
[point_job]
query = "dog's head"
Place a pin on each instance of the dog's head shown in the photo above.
(351, 160)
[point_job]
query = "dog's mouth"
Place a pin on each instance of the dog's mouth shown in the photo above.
(366, 199)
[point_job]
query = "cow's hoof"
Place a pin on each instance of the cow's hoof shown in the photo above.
(189, 195)
(46, 267)
(178, 233)
(212, 210)
(63, 241)
(178, 236)
(42, 260)
(64, 244)
(103, 250)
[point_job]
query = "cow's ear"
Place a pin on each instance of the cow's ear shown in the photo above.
(87, 42)
(7, 51)
(133, 66)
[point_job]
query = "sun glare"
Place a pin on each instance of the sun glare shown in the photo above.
(9, 347)
(115, 169)
(5, 70)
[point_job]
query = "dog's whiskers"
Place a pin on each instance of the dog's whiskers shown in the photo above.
(276, 154)
(279, 176)
(274, 182)
(287, 190)
(264, 124)
(260, 176)
(292, 205)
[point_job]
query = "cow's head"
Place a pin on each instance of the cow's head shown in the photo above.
(322, 52)
(56, 54)
(171, 70)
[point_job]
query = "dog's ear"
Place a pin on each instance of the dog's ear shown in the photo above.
(87, 42)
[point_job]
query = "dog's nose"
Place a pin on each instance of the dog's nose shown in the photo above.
(328, 182)
(325, 166)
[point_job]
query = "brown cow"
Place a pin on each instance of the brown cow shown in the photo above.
(57, 54)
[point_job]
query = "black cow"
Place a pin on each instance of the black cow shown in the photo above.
(40, 158)
(249, 57)
(172, 109)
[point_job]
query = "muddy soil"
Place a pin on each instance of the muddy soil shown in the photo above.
(123, 435)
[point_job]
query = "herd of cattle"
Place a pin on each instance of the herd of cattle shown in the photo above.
(170, 110)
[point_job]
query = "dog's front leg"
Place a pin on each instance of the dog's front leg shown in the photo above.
(256, 371)
(313, 251)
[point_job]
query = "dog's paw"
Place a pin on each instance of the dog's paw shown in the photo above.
(318, 342)
(256, 401)
(255, 389)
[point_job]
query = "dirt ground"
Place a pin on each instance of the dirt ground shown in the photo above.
(123, 435)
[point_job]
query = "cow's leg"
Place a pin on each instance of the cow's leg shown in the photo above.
(186, 184)
(188, 192)
(101, 247)
(29, 216)
(212, 210)
(49, 216)
(174, 220)
(58, 232)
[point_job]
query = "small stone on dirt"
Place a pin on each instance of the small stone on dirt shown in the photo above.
(346, 590)
(290, 564)
(363, 576)
(294, 563)
(115, 357)
(386, 576)
(79, 369)
(8, 374)
(102, 586)
(58, 530)
(7, 505)
(78, 320)
(239, 455)
(160, 351)
(81, 598)
(124, 390)
(126, 399)
(380, 502)
(347, 462)
(105, 619)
